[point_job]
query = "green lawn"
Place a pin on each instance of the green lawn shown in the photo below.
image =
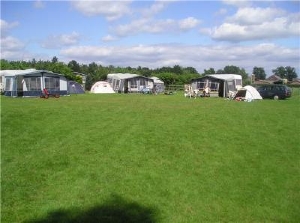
(145, 158)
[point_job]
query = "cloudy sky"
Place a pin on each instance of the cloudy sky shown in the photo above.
(200, 34)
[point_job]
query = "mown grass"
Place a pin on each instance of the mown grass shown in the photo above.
(161, 158)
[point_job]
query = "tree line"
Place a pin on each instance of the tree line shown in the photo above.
(175, 75)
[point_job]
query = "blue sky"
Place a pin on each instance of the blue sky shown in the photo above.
(200, 34)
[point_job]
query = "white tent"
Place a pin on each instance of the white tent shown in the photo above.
(248, 93)
(101, 87)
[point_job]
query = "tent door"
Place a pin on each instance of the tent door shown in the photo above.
(221, 88)
(126, 86)
(19, 85)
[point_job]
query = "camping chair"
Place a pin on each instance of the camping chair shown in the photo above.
(45, 94)
(206, 92)
(231, 95)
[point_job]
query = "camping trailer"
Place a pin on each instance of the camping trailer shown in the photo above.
(31, 82)
(220, 84)
(129, 83)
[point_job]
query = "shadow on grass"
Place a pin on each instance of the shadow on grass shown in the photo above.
(115, 210)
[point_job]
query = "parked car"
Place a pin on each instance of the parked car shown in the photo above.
(275, 91)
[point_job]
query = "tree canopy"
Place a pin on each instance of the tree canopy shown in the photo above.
(288, 72)
(259, 73)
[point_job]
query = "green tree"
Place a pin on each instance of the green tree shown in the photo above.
(177, 69)
(244, 75)
(290, 73)
(220, 71)
(285, 72)
(209, 71)
(280, 71)
(190, 70)
(259, 73)
(74, 66)
(167, 78)
(61, 68)
(54, 59)
(145, 71)
(231, 69)
(5, 65)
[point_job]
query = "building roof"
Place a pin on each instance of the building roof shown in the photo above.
(262, 82)
(274, 78)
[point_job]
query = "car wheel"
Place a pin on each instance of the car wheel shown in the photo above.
(276, 97)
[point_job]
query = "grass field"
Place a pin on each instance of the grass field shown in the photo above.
(145, 158)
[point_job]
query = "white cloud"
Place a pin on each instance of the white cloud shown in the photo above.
(155, 8)
(256, 24)
(6, 26)
(146, 25)
(58, 41)
(111, 10)
(198, 56)
(11, 47)
(188, 23)
(255, 16)
(10, 43)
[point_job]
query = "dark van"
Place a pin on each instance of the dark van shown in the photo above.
(275, 91)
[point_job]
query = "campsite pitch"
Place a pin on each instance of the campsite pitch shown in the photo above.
(147, 158)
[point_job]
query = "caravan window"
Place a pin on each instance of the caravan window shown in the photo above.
(231, 86)
(52, 83)
(33, 83)
(200, 85)
(142, 82)
(238, 82)
(8, 84)
(214, 86)
(133, 83)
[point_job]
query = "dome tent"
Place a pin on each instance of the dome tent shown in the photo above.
(102, 87)
(75, 88)
(248, 93)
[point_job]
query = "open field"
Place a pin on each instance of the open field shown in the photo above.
(146, 158)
